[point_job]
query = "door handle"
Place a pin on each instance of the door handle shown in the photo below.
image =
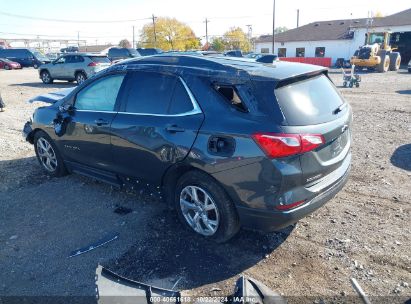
(101, 122)
(174, 129)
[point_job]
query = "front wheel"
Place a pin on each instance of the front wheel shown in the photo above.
(46, 77)
(205, 208)
(7, 67)
(48, 155)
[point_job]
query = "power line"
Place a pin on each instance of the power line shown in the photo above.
(69, 20)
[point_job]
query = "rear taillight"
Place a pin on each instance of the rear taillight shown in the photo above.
(282, 145)
(93, 64)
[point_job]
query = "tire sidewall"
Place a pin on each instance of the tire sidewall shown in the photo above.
(60, 170)
(80, 74)
(229, 222)
(42, 79)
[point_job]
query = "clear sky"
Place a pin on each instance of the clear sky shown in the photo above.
(222, 14)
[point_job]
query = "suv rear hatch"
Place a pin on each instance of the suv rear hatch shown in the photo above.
(100, 61)
(312, 105)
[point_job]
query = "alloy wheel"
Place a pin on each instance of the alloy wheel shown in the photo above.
(80, 78)
(199, 210)
(46, 154)
(46, 78)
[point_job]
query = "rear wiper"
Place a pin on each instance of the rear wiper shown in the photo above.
(340, 108)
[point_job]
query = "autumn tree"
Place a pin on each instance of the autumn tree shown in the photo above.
(171, 34)
(236, 39)
(218, 44)
(124, 43)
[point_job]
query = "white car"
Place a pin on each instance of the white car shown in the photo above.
(74, 66)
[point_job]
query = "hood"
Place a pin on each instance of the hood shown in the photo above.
(52, 97)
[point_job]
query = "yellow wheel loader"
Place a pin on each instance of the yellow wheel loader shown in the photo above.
(377, 54)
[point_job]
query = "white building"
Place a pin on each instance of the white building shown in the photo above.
(338, 38)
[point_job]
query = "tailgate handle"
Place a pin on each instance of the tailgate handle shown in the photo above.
(174, 129)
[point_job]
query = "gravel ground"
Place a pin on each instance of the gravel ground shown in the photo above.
(364, 232)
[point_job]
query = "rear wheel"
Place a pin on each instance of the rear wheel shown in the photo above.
(395, 61)
(80, 77)
(46, 77)
(205, 208)
(384, 65)
(48, 155)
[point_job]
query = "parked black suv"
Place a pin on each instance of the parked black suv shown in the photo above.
(117, 54)
(26, 57)
(227, 141)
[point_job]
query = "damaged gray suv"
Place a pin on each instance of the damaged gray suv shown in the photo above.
(226, 142)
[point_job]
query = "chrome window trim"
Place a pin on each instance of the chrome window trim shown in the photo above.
(196, 108)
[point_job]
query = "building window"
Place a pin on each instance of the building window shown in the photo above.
(282, 52)
(300, 52)
(265, 50)
(319, 51)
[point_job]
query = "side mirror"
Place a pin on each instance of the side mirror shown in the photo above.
(65, 108)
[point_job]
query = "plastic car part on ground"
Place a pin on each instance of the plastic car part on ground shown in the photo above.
(113, 288)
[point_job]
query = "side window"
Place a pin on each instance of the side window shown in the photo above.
(181, 102)
(61, 60)
(149, 93)
(231, 96)
(70, 59)
(101, 95)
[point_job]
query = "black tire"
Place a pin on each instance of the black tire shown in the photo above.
(395, 61)
(60, 169)
(357, 84)
(385, 63)
(6, 67)
(350, 84)
(229, 223)
(344, 84)
(46, 77)
(80, 77)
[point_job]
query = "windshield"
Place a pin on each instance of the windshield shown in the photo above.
(5, 60)
(134, 52)
(39, 55)
(376, 38)
(100, 59)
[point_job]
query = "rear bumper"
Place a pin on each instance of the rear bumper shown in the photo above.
(267, 221)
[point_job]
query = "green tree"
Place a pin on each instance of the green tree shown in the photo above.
(124, 43)
(171, 35)
(236, 39)
(280, 29)
(218, 44)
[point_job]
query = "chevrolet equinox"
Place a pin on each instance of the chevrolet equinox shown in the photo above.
(226, 142)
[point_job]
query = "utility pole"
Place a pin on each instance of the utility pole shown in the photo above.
(155, 34)
(250, 34)
(206, 23)
(78, 39)
(273, 26)
(134, 44)
(298, 18)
